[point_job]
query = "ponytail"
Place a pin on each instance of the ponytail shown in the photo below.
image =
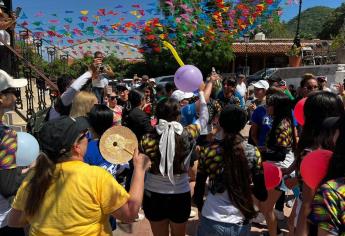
(237, 175)
(39, 184)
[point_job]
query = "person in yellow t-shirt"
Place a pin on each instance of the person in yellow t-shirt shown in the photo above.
(65, 196)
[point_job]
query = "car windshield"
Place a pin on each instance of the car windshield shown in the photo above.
(260, 72)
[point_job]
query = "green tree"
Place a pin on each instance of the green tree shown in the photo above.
(311, 20)
(334, 23)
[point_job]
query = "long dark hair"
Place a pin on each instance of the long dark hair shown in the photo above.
(318, 106)
(282, 109)
(336, 167)
(236, 171)
(101, 118)
(135, 97)
(169, 109)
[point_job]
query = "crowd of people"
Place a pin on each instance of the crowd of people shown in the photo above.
(191, 153)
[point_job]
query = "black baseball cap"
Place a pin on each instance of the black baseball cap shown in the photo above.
(121, 88)
(57, 136)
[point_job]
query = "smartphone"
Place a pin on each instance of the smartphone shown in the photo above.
(18, 11)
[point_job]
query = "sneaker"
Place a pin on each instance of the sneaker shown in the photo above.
(280, 215)
(192, 214)
(259, 219)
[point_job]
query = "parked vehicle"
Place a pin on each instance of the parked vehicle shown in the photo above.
(163, 80)
(335, 73)
(261, 74)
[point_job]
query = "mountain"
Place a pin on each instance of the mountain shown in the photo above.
(312, 20)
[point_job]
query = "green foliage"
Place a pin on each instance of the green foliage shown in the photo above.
(294, 51)
(276, 30)
(339, 40)
(311, 20)
(334, 23)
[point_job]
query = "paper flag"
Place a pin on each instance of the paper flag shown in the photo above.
(84, 12)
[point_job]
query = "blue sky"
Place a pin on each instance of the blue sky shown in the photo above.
(62, 5)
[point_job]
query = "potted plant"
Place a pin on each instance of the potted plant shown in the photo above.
(294, 55)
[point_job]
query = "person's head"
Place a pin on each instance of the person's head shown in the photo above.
(229, 86)
(232, 119)
(336, 167)
(260, 89)
(8, 91)
(145, 79)
(98, 55)
(112, 100)
(100, 118)
(236, 175)
(148, 91)
(182, 97)
(152, 82)
(82, 103)
(279, 105)
(122, 92)
(160, 91)
(329, 133)
(168, 109)
(60, 140)
(136, 98)
(241, 78)
(308, 84)
(169, 88)
(63, 83)
(280, 108)
(322, 81)
(318, 106)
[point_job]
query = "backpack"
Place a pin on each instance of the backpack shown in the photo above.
(36, 121)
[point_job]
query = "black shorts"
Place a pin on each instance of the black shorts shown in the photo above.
(159, 206)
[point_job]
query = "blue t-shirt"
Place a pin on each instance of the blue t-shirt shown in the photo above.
(94, 157)
(188, 114)
(263, 121)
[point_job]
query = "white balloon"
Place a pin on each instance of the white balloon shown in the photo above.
(27, 149)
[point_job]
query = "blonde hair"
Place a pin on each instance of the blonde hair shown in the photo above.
(82, 104)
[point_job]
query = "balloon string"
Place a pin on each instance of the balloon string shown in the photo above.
(173, 51)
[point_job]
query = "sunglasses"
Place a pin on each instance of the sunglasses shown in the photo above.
(113, 98)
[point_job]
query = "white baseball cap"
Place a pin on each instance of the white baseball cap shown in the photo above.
(180, 95)
(7, 81)
(262, 84)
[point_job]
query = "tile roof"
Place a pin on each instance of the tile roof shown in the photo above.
(271, 47)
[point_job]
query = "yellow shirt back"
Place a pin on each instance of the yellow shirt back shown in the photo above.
(78, 202)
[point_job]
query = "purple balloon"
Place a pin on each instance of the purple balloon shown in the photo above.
(188, 78)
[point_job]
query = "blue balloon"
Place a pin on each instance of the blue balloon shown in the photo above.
(27, 149)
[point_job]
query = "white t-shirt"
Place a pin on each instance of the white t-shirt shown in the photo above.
(241, 89)
(218, 207)
(5, 36)
(4, 210)
(100, 82)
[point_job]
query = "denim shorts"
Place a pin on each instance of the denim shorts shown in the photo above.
(208, 227)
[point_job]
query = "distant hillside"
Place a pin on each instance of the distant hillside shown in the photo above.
(312, 20)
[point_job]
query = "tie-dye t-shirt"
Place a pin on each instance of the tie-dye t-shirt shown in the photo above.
(8, 148)
(328, 207)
